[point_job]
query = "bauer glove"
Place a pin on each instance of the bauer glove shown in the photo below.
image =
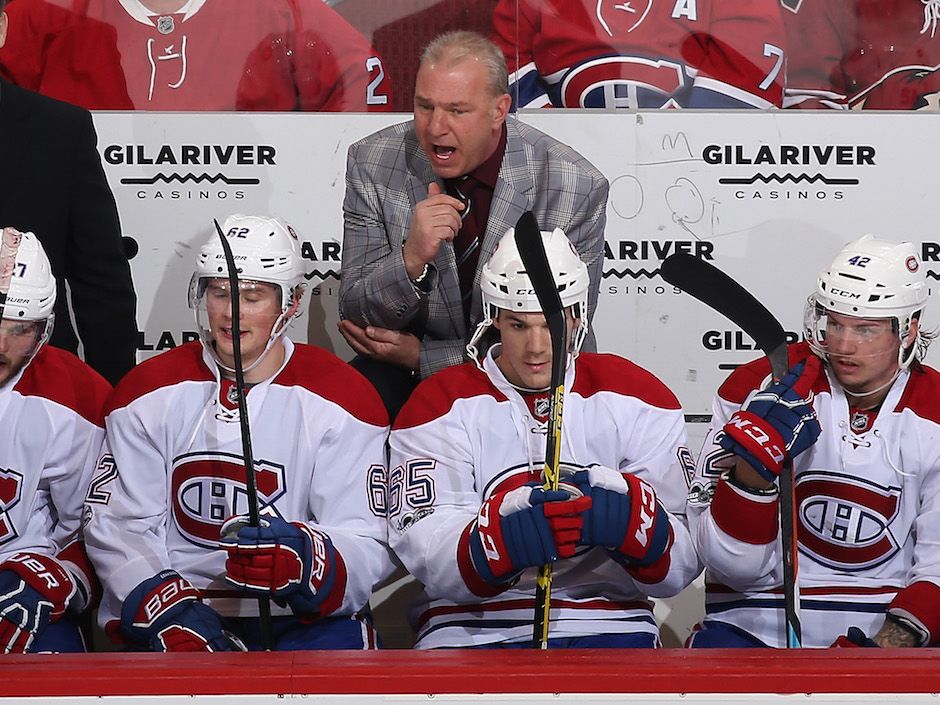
(164, 613)
(295, 565)
(35, 590)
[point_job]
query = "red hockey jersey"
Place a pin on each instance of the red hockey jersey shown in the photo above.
(642, 54)
(863, 55)
(210, 55)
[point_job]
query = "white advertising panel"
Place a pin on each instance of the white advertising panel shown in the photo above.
(767, 197)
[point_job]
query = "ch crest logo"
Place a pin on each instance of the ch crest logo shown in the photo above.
(612, 82)
(209, 487)
(845, 522)
(11, 489)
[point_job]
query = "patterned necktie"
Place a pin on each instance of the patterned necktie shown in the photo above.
(467, 241)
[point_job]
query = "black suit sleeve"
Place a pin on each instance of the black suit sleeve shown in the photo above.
(98, 273)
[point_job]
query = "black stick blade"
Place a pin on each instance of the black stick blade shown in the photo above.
(532, 251)
(717, 290)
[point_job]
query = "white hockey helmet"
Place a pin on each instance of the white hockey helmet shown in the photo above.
(871, 278)
(32, 292)
(505, 285)
(264, 250)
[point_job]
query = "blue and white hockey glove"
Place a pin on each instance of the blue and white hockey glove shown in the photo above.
(854, 638)
(35, 590)
(776, 422)
(625, 516)
(524, 528)
(164, 613)
(295, 565)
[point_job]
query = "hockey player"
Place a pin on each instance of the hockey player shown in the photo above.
(193, 55)
(671, 54)
(865, 54)
(165, 519)
(858, 416)
(468, 516)
(50, 437)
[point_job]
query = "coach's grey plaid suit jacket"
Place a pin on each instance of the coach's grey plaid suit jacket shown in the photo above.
(387, 173)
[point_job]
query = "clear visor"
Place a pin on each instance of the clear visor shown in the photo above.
(836, 335)
(212, 296)
(22, 339)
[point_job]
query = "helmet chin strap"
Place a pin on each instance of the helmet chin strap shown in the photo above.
(280, 325)
(877, 389)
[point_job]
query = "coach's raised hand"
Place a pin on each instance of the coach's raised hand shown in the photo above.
(436, 219)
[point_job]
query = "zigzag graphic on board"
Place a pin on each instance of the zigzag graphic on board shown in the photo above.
(802, 178)
(627, 272)
(191, 178)
(933, 275)
(316, 273)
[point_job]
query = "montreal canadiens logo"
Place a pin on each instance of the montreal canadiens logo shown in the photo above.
(11, 490)
(912, 264)
(845, 522)
(606, 82)
(208, 488)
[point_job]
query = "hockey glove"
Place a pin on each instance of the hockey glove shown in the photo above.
(776, 422)
(524, 528)
(34, 591)
(625, 517)
(854, 638)
(164, 613)
(293, 564)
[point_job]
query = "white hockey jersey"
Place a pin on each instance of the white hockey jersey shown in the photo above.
(173, 471)
(51, 433)
(868, 524)
(464, 435)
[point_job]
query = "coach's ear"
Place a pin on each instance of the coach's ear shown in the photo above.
(3, 27)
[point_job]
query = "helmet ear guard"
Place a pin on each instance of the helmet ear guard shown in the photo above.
(264, 250)
(871, 278)
(505, 285)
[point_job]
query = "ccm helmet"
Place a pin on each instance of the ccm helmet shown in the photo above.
(870, 278)
(505, 285)
(265, 250)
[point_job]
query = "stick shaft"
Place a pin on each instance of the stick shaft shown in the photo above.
(251, 487)
(716, 289)
(535, 260)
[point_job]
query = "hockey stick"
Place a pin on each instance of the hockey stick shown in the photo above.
(716, 289)
(532, 251)
(9, 245)
(251, 487)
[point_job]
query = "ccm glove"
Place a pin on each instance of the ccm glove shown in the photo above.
(524, 528)
(776, 422)
(164, 613)
(35, 590)
(293, 564)
(625, 517)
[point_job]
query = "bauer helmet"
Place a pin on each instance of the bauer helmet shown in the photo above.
(32, 292)
(264, 250)
(870, 278)
(505, 285)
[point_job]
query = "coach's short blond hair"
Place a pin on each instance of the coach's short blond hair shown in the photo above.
(451, 48)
